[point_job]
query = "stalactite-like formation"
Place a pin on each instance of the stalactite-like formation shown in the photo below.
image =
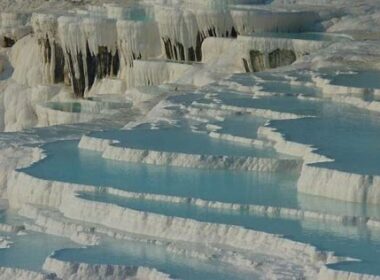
(53, 58)
(59, 69)
(76, 72)
(79, 49)
(85, 68)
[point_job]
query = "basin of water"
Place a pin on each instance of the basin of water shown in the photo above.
(314, 36)
(341, 132)
(242, 126)
(86, 106)
(358, 79)
(285, 104)
(28, 251)
(179, 140)
(143, 254)
(87, 167)
(354, 241)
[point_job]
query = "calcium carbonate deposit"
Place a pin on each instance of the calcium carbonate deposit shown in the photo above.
(190, 139)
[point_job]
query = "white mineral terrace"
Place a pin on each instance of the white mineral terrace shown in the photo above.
(179, 139)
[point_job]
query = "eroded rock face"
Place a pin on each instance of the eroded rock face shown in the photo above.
(8, 42)
(257, 60)
(281, 57)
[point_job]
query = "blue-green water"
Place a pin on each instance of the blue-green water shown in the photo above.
(274, 189)
(288, 89)
(358, 79)
(285, 104)
(88, 107)
(314, 36)
(30, 251)
(136, 253)
(341, 132)
(179, 140)
(87, 167)
(344, 133)
(352, 241)
(243, 126)
(72, 107)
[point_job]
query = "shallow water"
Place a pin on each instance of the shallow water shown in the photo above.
(86, 107)
(180, 141)
(30, 251)
(348, 135)
(314, 36)
(339, 131)
(284, 104)
(346, 240)
(142, 254)
(342, 132)
(358, 79)
(288, 89)
(87, 167)
(72, 107)
(242, 126)
(244, 187)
